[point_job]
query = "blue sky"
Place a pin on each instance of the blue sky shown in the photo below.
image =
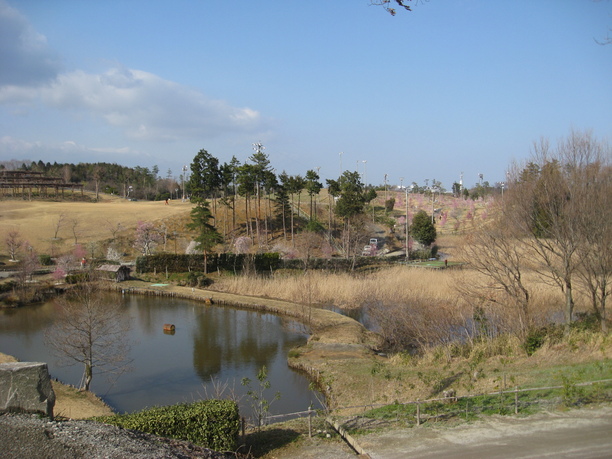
(462, 86)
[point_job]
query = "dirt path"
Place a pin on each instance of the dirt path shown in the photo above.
(575, 433)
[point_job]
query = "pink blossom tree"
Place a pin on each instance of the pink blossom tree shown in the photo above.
(243, 244)
(147, 237)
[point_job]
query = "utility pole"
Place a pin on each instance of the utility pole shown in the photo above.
(433, 198)
(184, 176)
(407, 242)
(386, 194)
(365, 177)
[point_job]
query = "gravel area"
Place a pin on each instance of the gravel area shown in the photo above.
(36, 437)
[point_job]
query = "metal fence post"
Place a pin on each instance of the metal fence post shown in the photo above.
(418, 414)
(515, 399)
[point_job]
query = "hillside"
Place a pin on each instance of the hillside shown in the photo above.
(54, 227)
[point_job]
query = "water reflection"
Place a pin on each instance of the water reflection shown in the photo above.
(223, 343)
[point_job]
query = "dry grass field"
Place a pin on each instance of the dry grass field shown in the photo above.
(37, 220)
(82, 222)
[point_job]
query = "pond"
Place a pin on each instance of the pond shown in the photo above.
(223, 344)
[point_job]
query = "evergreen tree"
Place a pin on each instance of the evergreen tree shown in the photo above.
(313, 186)
(422, 228)
(207, 236)
(205, 177)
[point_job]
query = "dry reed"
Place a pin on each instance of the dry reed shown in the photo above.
(393, 285)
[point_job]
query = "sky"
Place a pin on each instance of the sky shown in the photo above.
(450, 88)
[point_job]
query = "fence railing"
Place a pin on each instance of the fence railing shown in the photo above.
(498, 399)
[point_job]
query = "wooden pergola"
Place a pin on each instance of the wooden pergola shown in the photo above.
(22, 183)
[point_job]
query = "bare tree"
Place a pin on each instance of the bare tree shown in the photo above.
(307, 243)
(75, 232)
(61, 220)
(595, 250)
(499, 257)
(547, 202)
(114, 229)
(13, 243)
(91, 332)
(415, 324)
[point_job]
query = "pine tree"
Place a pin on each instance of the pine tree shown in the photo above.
(207, 235)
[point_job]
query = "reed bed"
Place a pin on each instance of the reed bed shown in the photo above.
(414, 306)
(398, 284)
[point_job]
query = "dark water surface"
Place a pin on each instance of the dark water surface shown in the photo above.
(223, 343)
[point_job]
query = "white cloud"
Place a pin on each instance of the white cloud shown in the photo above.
(140, 105)
(143, 105)
(25, 56)
(67, 151)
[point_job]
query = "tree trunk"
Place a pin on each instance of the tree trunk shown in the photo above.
(569, 305)
(88, 375)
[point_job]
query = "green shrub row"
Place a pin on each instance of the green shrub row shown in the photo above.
(424, 254)
(259, 263)
(213, 424)
(215, 261)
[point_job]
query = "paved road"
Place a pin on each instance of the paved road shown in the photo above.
(585, 433)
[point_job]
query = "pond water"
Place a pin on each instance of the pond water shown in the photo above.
(221, 343)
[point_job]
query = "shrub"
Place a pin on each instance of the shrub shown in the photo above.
(197, 279)
(77, 278)
(45, 260)
(536, 337)
(423, 254)
(586, 321)
(534, 340)
(211, 424)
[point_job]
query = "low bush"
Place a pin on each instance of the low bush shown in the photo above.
(77, 278)
(536, 337)
(45, 260)
(197, 279)
(213, 424)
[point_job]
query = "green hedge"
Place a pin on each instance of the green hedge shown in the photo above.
(213, 424)
(263, 262)
(260, 263)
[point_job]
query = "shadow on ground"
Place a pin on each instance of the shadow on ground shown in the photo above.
(261, 443)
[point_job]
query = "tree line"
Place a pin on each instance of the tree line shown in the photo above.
(129, 182)
(272, 203)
